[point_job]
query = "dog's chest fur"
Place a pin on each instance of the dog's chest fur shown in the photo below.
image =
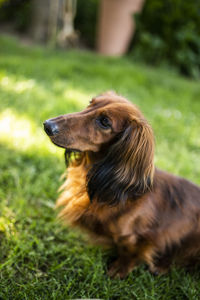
(74, 198)
(105, 224)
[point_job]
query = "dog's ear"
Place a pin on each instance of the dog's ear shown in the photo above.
(126, 172)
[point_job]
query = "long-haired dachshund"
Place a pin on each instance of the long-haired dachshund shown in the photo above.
(114, 192)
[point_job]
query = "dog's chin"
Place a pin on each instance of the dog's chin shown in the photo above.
(67, 148)
(59, 145)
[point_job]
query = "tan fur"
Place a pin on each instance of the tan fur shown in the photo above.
(74, 197)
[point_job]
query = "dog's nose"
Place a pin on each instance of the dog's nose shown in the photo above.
(50, 127)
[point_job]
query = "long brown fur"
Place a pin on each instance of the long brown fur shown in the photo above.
(114, 192)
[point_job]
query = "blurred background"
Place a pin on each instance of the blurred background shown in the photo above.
(154, 31)
(55, 55)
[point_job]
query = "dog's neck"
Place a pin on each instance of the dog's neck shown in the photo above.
(93, 157)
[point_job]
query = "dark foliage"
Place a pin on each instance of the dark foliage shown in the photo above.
(86, 20)
(16, 11)
(169, 31)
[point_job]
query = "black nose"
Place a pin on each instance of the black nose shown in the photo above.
(50, 127)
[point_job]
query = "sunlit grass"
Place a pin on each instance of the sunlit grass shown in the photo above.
(81, 98)
(18, 87)
(7, 221)
(22, 134)
(10, 83)
(39, 258)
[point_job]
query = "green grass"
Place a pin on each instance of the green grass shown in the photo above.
(39, 257)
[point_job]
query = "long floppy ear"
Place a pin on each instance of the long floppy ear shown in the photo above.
(127, 170)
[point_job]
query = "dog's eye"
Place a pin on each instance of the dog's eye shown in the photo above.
(104, 122)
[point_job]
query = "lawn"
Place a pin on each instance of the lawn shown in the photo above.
(39, 257)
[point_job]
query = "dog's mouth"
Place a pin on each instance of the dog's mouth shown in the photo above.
(58, 142)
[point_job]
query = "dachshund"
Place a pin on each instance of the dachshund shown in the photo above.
(114, 192)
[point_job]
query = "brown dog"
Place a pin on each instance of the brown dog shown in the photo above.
(114, 192)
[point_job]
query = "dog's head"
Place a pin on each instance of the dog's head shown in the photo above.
(115, 132)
